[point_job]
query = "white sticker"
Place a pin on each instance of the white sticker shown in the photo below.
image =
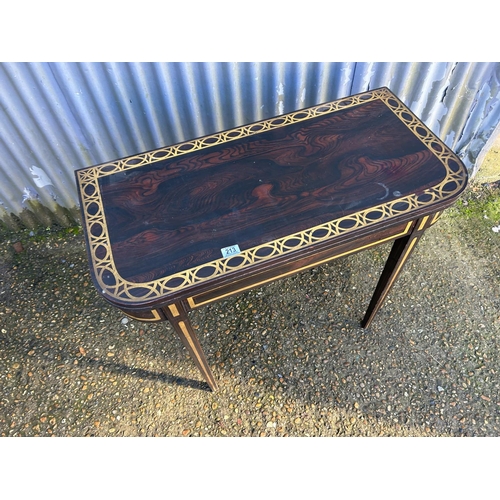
(229, 251)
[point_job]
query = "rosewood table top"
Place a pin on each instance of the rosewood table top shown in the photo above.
(169, 225)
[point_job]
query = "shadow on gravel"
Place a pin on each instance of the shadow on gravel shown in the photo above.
(121, 369)
(53, 356)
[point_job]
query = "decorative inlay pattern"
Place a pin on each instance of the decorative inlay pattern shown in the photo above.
(114, 286)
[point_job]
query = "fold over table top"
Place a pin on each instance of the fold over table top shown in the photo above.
(165, 220)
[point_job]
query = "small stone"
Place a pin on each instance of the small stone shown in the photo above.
(124, 321)
(297, 420)
(18, 246)
(440, 389)
(271, 425)
(185, 432)
(214, 406)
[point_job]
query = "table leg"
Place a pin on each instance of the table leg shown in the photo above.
(401, 250)
(179, 319)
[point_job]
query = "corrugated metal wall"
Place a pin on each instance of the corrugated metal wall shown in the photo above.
(56, 117)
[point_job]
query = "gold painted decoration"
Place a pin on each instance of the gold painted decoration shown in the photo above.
(114, 286)
(155, 316)
(192, 301)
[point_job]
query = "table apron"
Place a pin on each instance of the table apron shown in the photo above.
(298, 265)
(163, 311)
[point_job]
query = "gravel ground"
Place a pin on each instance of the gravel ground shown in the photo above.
(290, 358)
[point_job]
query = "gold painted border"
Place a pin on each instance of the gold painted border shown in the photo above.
(156, 316)
(173, 309)
(423, 222)
(193, 304)
(123, 290)
(436, 217)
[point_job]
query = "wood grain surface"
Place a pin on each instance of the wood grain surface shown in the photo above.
(172, 215)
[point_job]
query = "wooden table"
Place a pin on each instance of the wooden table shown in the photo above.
(179, 227)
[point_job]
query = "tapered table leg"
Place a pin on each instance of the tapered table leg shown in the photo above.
(179, 319)
(401, 250)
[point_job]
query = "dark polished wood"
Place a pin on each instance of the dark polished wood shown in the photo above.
(179, 213)
(182, 226)
(400, 252)
(177, 315)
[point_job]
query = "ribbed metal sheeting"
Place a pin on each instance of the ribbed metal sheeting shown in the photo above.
(56, 117)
